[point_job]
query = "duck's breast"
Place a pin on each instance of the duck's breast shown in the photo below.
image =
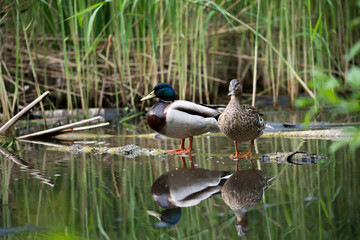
(241, 122)
(156, 117)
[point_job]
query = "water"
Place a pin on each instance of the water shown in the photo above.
(61, 195)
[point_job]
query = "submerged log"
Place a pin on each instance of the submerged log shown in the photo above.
(129, 151)
(329, 134)
(132, 150)
(326, 134)
(296, 158)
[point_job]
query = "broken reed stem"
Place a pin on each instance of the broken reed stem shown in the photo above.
(54, 131)
(90, 127)
(13, 120)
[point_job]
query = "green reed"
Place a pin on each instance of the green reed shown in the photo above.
(100, 196)
(110, 53)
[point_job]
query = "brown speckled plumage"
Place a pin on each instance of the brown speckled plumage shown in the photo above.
(244, 189)
(240, 123)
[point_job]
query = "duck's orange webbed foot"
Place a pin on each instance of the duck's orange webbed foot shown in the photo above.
(182, 149)
(239, 155)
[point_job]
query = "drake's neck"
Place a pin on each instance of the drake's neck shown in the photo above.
(164, 101)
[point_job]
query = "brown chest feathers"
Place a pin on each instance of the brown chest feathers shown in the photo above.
(156, 117)
(241, 122)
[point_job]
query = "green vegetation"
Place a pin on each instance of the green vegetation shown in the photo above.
(92, 53)
(99, 196)
(109, 53)
(12, 144)
(343, 98)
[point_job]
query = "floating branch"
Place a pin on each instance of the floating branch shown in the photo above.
(295, 158)
(65, 128)
(327, 134)
(129, 151)
(13, 120)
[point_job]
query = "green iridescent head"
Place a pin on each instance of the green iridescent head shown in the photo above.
(163, 91)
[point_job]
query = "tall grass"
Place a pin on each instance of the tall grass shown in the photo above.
(110, 53)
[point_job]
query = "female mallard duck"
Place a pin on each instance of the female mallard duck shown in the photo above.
(240, 123)
(179, 118)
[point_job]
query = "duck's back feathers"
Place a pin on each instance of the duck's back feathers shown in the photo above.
(193, 108)
(252, 114)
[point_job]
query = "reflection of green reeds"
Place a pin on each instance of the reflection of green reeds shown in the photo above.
(110, 53)
(100, 196)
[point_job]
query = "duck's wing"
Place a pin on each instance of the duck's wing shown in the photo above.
(188, 187)
(194, 109)
(253, 114)
(185, 119)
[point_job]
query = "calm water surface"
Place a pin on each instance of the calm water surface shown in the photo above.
(63, 195)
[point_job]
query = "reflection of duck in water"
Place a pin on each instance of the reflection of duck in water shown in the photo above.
(185, 187)
(244, 189)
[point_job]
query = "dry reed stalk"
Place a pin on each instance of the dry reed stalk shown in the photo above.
(65, 128)
(13, 120)
(107, 62)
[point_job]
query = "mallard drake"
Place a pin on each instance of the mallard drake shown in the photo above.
(179, 118)
(240, 123)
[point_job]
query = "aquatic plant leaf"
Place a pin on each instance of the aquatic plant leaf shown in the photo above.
(353, 143)
(350, 106)
(353, 77)
(317, 27)
(353, 51)
(12, 144)
(304, 102)
(80, 15)
(91, 23)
